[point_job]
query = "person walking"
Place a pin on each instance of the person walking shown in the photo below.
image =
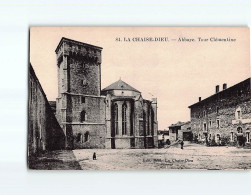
(94, 156)
(181, 144)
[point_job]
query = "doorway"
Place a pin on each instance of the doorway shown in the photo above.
(113, 143)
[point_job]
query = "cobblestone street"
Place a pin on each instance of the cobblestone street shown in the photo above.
(193, 156)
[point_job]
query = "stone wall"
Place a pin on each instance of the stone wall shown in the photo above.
(80, 108)
(218, 115)
(79, 92)
(44, 132)
(141, 127)
(89, 136)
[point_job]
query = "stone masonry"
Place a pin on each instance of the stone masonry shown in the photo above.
(225, 117)
(117, 118)
(80, 108)
(44, 132)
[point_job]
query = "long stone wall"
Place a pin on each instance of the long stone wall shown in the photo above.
(44, 132)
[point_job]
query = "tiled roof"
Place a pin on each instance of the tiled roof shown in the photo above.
(120, 85)
(179, 124)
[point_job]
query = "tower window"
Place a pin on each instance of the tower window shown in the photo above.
(217, 110)
(84, 82)
(80, 138)
(86, 135)
(82, 99)
(83, 116)
(124, 119)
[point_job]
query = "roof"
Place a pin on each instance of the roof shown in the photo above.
(179, 124)
(76, 42)
(52, 103)
(221, 92)
(120, 85)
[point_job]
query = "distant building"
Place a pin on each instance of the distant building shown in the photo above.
(180, 131)
(53, 106)
(44, 132)
(163, 137)
(224, 117)
(116, 117)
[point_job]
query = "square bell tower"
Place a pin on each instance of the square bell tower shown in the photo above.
(79, 104)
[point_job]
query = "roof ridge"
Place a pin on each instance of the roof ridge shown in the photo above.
(119, 84)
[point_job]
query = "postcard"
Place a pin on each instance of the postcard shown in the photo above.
(139, 98)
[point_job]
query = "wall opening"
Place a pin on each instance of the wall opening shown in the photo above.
(83, 116)
(116, 119)
(86, 136)
(124, 108)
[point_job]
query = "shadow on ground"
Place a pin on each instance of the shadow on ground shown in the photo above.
(54, 160)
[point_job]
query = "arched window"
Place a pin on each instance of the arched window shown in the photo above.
(148, 120)
(152, 121)
(116, 119)
(86, 136)
(83, 116)
(239, 130)
(144, 122)
(79, 138)
(124, 107)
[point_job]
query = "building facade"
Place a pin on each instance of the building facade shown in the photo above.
(44, 132)
(163, 138)
(80, 109)
(131, 121)
(180, 131)
(116, 117)
(225, 117)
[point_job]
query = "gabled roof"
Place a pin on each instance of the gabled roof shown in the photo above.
(179, 124)
(120, 85)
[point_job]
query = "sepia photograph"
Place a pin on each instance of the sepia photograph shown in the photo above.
(139, 98)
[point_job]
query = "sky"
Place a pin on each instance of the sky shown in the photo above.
(175, 72)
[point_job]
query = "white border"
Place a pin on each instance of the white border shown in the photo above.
(15, 18)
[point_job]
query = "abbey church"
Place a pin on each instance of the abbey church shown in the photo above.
(115, 117)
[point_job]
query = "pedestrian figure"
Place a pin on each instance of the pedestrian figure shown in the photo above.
(182, 144)
(94, 156)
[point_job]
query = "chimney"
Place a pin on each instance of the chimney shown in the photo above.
(224, 86)
(217, 89)
(199, 99)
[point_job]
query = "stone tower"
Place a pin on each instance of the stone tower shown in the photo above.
(80, 109)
